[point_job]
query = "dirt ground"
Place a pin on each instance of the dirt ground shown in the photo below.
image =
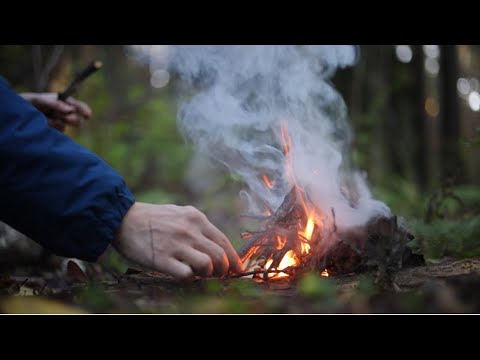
(447, 286)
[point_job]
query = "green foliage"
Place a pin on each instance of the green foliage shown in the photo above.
(314, 286)
(214, 286)
(243, 289)
(366, 286)
(470, 196)
(145, 148)
(94, 298)
(401, 196)
(475, 141)
(459, 238)
(455, 233)
(159, 197)
(115, 262)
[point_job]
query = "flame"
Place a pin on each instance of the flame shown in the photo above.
(308, 227)
(286, 139)
(308, 232)
(267, 182)
(281, 240)
(289, 259)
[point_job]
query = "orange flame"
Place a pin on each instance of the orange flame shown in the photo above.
(305, 230)
(268, 182)
(308, 232)
(280, 242)
(289, 259)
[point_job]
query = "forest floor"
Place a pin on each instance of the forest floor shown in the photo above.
(446, 286)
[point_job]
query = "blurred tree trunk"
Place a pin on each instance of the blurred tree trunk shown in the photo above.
(451, 165)
(44, 60)
(382, 149)
(422, 177)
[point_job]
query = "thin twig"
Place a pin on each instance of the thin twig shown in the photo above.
(118, 278)
(334, 220)
(41, 290)
(256, 217)
(23, 283)
(151, 242)
(256, 272)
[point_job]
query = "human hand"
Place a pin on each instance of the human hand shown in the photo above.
(59, 113)
(177, 240)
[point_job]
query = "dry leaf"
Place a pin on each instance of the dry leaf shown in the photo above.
(75, 273)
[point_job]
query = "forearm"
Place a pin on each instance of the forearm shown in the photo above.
(53, 190)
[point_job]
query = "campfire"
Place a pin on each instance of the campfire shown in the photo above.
(298, 236)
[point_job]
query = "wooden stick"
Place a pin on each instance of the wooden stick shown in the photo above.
(86, 72)
(255, 272)
(282, 211)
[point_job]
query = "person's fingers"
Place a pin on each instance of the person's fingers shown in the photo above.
(214, 234)
(61, 106)
(49, 103)
(176, 268)
(216, 253)
(200, 262)
(73, 119)
(81, 107)
(57, 124)
(210, 231)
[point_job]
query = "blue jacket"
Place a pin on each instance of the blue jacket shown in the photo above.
(52, 189)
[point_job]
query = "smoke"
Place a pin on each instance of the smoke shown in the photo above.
(239, 97)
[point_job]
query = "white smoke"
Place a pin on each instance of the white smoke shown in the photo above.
(242, 95)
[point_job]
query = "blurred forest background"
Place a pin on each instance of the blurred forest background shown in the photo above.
(415, 111)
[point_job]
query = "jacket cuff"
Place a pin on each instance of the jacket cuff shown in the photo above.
(109, 222)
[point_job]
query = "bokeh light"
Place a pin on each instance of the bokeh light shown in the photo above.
(474, 101)
(404, 53)
(463, 86)
(431, 107)
(431, 51)
(432, 66)
(159, 78)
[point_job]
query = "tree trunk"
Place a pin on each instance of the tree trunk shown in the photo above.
(452, 167)
(418, 91)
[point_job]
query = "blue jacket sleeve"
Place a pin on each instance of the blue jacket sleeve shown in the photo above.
(54, 190)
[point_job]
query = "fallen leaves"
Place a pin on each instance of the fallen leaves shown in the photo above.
(75, 273)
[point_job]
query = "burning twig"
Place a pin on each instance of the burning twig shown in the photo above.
(279, 216)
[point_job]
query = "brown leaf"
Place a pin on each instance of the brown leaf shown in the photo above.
(75, 273)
